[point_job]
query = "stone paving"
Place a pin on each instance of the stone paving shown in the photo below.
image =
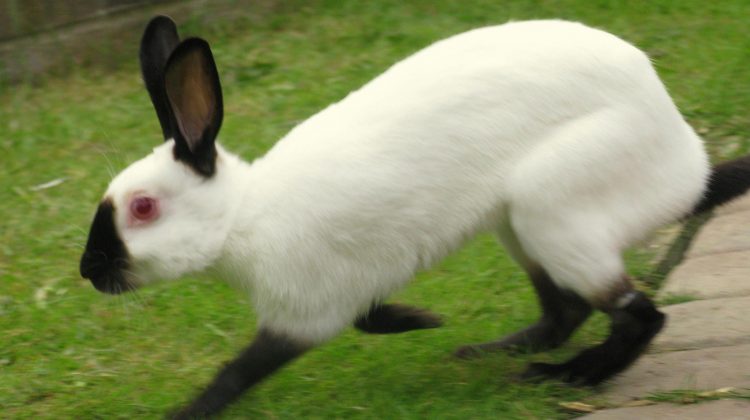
(703, 353)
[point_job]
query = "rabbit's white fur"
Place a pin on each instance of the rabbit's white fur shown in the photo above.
(196, 214)
(558, 137)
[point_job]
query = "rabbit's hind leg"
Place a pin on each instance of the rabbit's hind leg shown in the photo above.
(581, 255)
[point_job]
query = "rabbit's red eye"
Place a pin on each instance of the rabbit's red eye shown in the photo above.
(143, 208)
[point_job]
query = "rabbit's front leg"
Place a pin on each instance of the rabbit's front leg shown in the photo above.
(267, 353)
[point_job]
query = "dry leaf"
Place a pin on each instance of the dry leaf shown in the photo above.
(717, 392)
(578, 406)
(50, 184)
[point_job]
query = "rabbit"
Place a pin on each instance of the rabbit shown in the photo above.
(558, 138)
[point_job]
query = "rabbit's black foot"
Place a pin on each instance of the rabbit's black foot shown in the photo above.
(395, 318)
(633, 327)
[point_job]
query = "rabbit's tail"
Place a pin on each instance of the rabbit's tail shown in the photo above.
(727, 181)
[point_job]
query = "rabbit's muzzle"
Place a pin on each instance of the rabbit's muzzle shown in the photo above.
(105, 259)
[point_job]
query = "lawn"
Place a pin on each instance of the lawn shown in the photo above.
(67, 351)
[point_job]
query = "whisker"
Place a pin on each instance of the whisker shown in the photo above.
(138, 300)
(134, 275)
(136, 296)
(110, 168)
(113, 147)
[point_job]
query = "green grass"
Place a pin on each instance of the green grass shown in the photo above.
(67, 351)
(676, 299)
(688, 396)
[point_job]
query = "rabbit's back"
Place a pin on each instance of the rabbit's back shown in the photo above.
(444, 136)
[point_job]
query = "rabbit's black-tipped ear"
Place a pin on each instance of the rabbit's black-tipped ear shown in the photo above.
(159, 40)
(192, 85)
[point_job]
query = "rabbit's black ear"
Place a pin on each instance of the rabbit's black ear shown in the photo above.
(192, 85)
(159, 40)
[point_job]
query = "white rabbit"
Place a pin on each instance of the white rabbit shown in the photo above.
(557, 137)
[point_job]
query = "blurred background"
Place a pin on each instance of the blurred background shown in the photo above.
(46, 36)
(73, 112)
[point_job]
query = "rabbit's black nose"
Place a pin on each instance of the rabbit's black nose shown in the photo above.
(105, 257)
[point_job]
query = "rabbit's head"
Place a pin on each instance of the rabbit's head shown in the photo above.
(166, 214)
